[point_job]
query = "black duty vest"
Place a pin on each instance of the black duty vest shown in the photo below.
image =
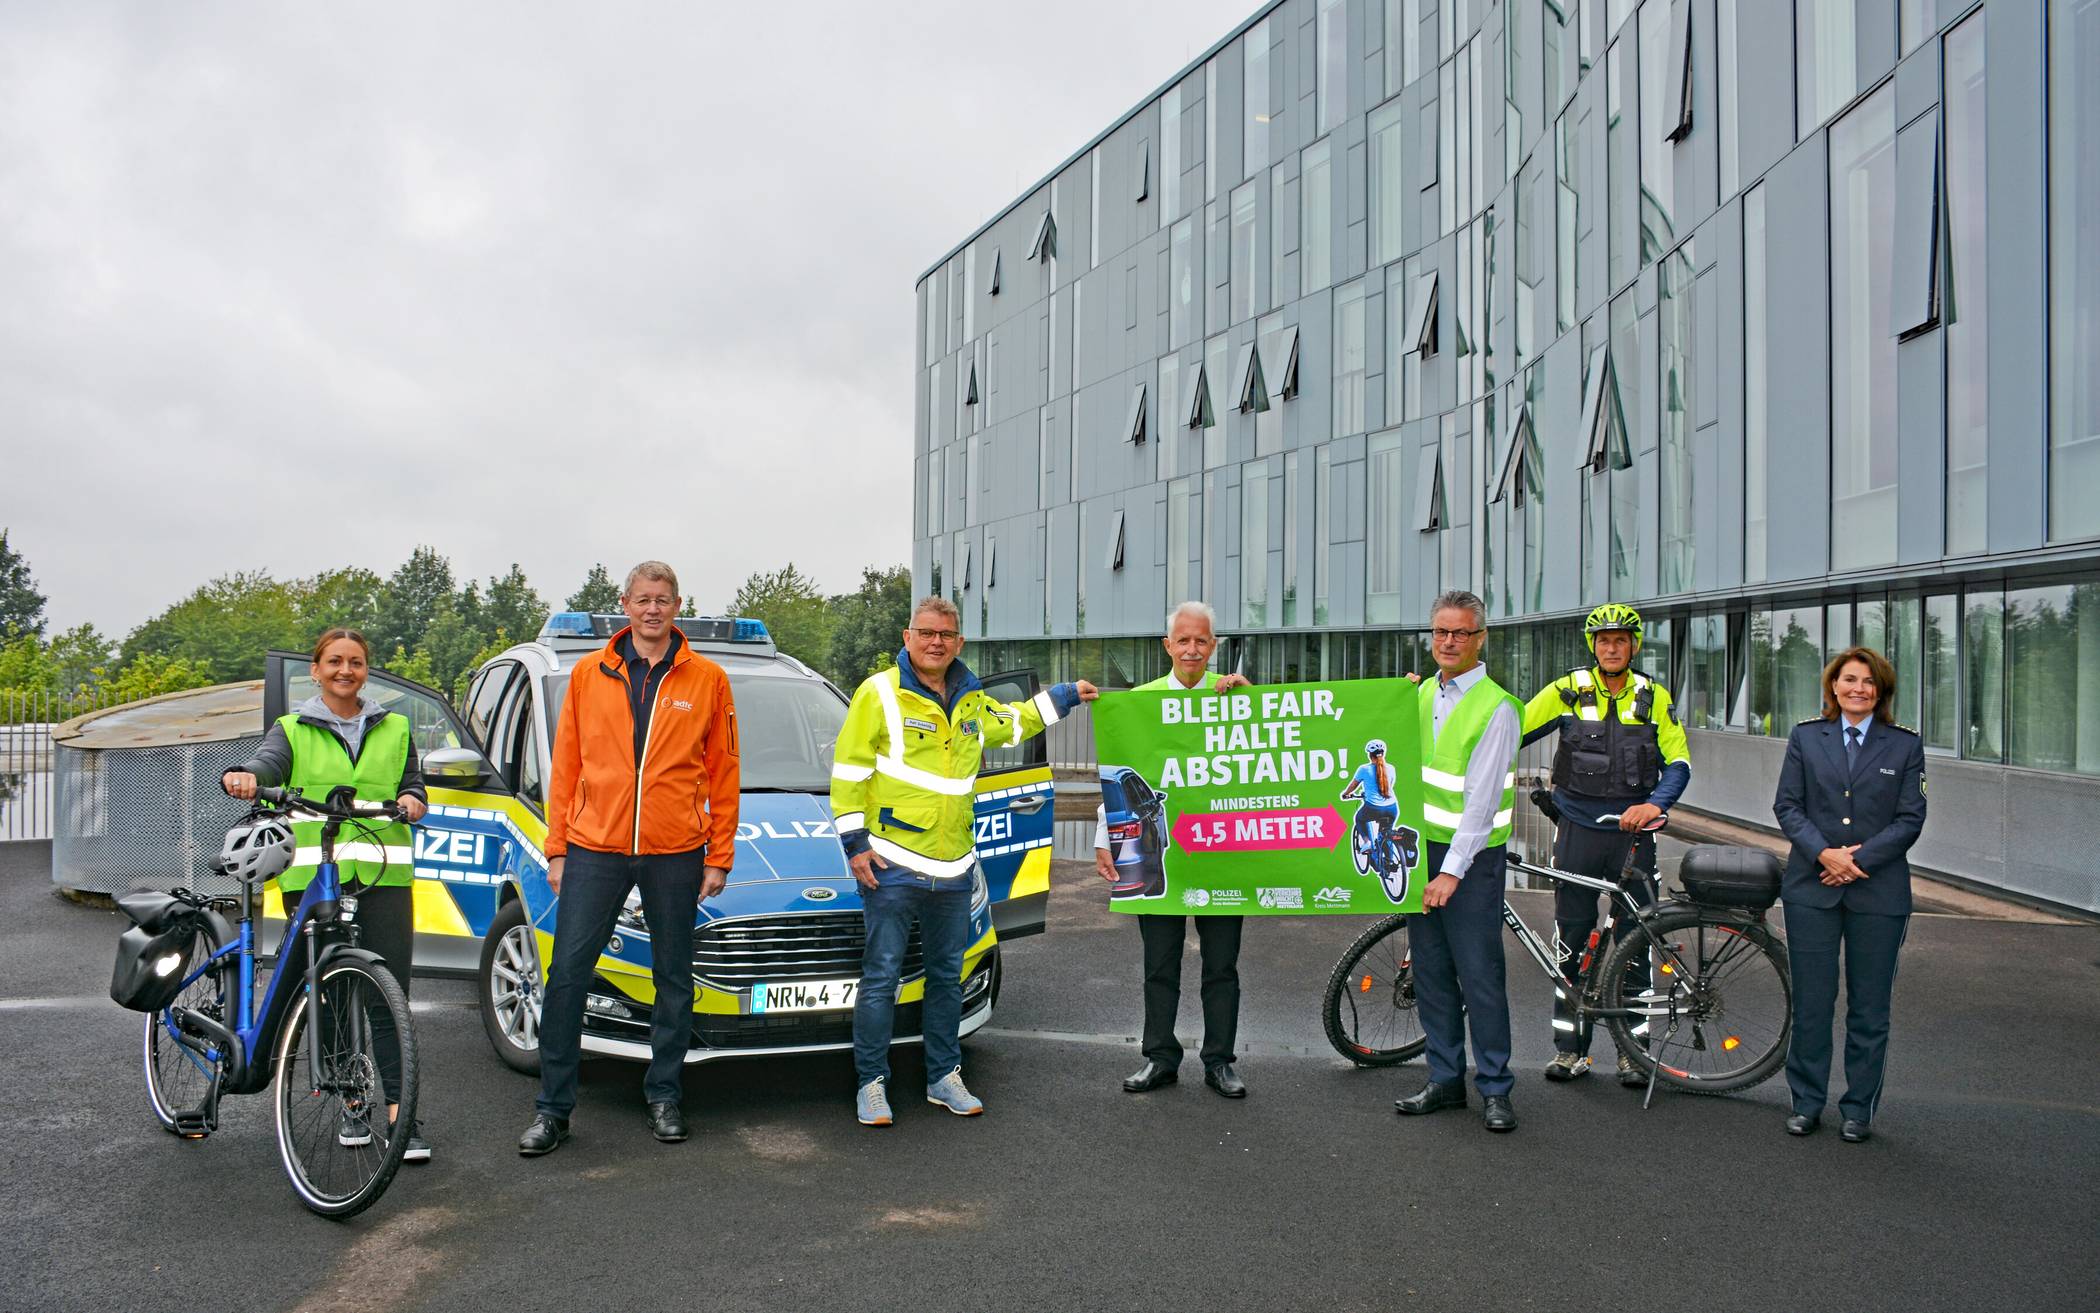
(1607, 756)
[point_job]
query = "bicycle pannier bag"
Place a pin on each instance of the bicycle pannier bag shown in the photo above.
(1718, 875)
(149, 970)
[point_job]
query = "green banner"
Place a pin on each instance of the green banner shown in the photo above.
(1253, 801)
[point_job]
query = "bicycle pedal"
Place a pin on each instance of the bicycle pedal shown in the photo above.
(193, 1125)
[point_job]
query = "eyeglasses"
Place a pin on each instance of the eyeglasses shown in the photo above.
(1442, 635)
(653, 603)
(937, 635)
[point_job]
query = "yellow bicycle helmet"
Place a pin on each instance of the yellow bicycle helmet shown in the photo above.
(1610, 617)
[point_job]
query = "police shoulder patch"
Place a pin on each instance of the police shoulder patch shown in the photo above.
(1905, 728)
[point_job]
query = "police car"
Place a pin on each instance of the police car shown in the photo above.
(776, 957)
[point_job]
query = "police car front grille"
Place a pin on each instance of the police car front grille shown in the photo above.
(801, 946)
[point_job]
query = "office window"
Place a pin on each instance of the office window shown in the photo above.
(1913, 24)
(1349, 364)
(1279, 349)
(2052, 662)
(1520, 79)
(1658, 654)
(1383, 526)
(1863, 352)
(1622, 171)
(1323, 531)
(1398, 36)
(1211, 167)
(1080, 573)
(1983, 675)
(1042, 247)
(1315, 228)
(1291, 486)
(1115, 541)
(1755, 396)
(1727, 75)
(1677, 119)
(1250, 392)
(1178, 543)
(1429, 510)
(1215, 366)
(1196, 409)
(1713, 677)
(1602, 423)
(1918, 247)
(1134, 422)
(2074, 271)
(1625, 513)
(1446, 166)
(1825, 61)
(1255, 484)
(1173, 432)
(1388, 184)
(1170, 154)
(1093, 227)
(1571, 222)
(1534, 211)
(1246, 253)
(1796, 636)
(1184, 319)
(1331, 66)
(1942, 629)
(1396, 347)
(1255, 107)
(1675, 318)
(1661, 75)
(1046, 464)
(1422, 314)
(1906, 652)
(1965, 312)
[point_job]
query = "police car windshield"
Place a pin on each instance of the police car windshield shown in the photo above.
(786, 729)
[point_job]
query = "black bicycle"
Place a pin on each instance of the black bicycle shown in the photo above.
(1709, 1011)
(318, 1029)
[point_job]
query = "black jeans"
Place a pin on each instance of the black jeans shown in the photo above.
(1163, 936)
(386, 924)
(1602, 854)
(594, 887)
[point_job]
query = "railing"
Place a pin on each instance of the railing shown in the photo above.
(27, 717)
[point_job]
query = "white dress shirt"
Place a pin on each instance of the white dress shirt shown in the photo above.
(1494, 757)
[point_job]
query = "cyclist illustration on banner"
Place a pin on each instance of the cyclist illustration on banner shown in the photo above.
(1380, 845)
(1227, 802)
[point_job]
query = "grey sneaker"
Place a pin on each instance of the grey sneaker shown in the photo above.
(1630, 1075)
(872, 1104)
(355, 1129)
(950, 1092)
(1567, 1066)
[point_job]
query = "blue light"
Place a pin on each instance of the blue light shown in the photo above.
(568, 624)
(750, 631)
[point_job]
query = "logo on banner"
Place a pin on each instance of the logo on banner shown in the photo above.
(1292, 897)
(1195, 898)
(1333, 896)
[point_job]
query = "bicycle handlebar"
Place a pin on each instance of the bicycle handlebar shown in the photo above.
(1651, 827)
(289, 799)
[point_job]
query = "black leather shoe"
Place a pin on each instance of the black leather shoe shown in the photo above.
(1800, 1123)
(1225, 1081)
(1496, 1113)
(666, 1122)
(1432, 1098)
(1855, 1131)
(543, 1136)
(1150, 1077)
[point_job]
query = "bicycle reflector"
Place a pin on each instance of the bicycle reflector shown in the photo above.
(1731, 1044)
(1364, 986)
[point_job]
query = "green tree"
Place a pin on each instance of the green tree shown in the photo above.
(415, 667)
(513, 608)
(866, 623)
(448, 648)
(599, 593)
(347, 598)
(796, 613)
(225, 626)
(411, 599)
(21, 605)
(151, 676)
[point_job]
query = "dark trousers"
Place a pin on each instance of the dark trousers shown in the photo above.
(1870, 942)
(1457, 950)
(386, 924)
(593, 889)
(1602, 854)
(1219, 939)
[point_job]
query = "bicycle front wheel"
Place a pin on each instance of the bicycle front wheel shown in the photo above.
(340, 1147)
(1369, 1007)
(1713, 1010)
(178, 1077)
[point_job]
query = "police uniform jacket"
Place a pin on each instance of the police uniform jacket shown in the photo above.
(1877, 803)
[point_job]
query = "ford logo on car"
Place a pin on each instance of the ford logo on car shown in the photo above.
(820, 893)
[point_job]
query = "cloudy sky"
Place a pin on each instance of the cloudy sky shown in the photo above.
(287, 287)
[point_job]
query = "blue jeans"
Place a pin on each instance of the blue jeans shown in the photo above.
(594, 887)
(944, 935)
(1459, 981)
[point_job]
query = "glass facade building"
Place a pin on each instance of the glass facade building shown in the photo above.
(1779, 321)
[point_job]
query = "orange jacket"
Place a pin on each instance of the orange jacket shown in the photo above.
(683, 795)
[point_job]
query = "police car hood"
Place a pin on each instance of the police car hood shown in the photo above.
(786, 836)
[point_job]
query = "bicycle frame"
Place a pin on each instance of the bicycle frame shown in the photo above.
(1619, 899)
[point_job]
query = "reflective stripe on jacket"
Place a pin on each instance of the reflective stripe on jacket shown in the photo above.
(904, 774)
(1446, 755)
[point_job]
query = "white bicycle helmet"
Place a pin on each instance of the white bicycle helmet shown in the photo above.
(257, 850)
(1375, 748)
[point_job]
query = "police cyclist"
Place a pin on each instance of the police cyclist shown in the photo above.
(1622, 752)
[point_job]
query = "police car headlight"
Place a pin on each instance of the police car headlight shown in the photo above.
(630, 917)
(980, 895)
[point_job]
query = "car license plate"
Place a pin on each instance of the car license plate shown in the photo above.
(803, 995)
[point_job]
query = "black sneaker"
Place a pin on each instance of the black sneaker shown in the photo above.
(418, 1150)
(355, 1130)
(1631, 1076)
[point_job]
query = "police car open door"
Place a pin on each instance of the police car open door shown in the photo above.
(1016, 804)
(466, 838)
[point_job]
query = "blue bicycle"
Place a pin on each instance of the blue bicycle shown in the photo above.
(330, 1033)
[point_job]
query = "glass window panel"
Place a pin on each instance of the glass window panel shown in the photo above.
(1291, 489)
(1184, 321)
(1825, 61)
(1384, 526)
(2074, 269)
(1211, 168)
(1797, 666)
(1178, 544)
(1659, 74)
(1754, 386)
(1965, 314)
(1621, 163)
(1675, 318)
(1254, 85)
(1913, 23)
(1727, 135)
(1215, 376)
(1093, 228)
(1396, 353)
(1388, 184)
(1349, 364)
(1658, 655)
(1906, 652)
(1331, 36)
(1446, 169)
(1761, 653)
(1170, 153)
(1246, 253)
(1871, 623)
(1571, 220)
(1837, 628)
(1625, 512)
(1863, 353)
(1172, 424)
(1397, 37)
(2052, 662)
(1983, 675)
(1939, 677)
(1323, 531)
(1254, 545)
(1315, 230)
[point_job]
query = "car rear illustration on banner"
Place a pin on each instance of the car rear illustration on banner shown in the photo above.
(1136, 815)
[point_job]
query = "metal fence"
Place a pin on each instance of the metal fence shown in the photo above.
(26, 780)
(131, 818)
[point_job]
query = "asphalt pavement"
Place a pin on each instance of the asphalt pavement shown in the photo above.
(1977, 1192)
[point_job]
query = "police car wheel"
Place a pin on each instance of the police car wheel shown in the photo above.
(511, 982)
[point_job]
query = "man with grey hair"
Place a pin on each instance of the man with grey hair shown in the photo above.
(1470, 730)
(643, 793)
(1190, 640)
